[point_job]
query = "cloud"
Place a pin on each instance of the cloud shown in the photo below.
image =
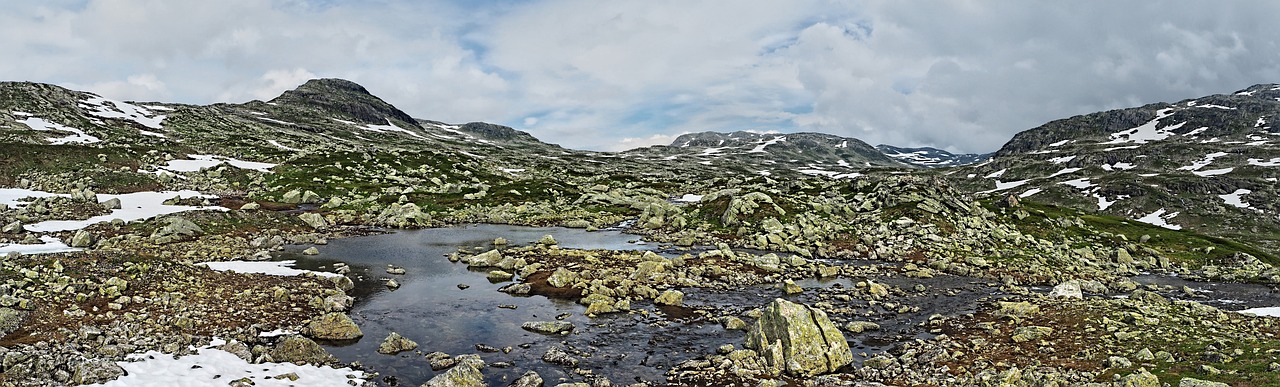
(964, 76)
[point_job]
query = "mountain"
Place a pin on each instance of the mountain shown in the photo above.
(926, 157)
(1208, 164)
(771, 153)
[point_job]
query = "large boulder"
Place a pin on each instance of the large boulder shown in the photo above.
(333, 326)
(314, 220)
(1069, 289)
(465, 374)
(300, 350)
(96, 371)
(394, 343)
(83, 239)
(798, 340)
(548, 327)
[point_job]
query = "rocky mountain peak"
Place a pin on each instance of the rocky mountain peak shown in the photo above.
(343, 99)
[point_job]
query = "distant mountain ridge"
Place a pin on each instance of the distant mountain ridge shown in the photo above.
(931, 157)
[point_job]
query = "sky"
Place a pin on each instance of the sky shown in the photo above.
(964, 76)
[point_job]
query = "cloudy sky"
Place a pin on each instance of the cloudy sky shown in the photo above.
(958, 75)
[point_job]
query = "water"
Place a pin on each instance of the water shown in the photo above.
(1223, 295)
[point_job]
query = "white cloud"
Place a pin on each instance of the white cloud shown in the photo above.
(964, 76)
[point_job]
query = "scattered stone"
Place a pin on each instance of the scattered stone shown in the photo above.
(1031, 333)
(555, 355)
(314, 220)
(311, 251)
(861, 326)
(734, 324)
(466, 373)
(529, 379)
(394, 343)
(789, 287)
(111, 204)
(1070, 289)
(391, 283)
(798, 339)
(1193, 382)
(396, 270)
(82, 239)
(250, 206)
(499, 276)
(13, 228)
(547, 240)
(95, 371)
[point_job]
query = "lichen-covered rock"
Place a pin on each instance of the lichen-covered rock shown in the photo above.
(670, 297)
(1139, 378)
(798, 340)
(465, 374)
(394, 343)
(1069, 289)
(83, 239)
(486, 259)
(1031, 333)
(529, 379)
(861, 326)
(548, 327)
(333, 326)
(314, 220)
(96, 371)
(300, 350)
(13, 228)
(1193, 382)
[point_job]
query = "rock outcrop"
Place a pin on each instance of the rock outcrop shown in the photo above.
(798, 340)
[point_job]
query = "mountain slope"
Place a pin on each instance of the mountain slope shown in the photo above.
(766, 153)
(1209, 164)
(931, 157)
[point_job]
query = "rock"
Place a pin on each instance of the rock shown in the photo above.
(1070, 289)
(310, 197)
(877, 290)
(670, 297)
(562, 278)
(395, 270)
(300, 350)
(178, 227)
(1144, 355)
(394, 343)
(1017, 310)
(529, 379)
(391, 283)
(548, 327)
(789, 287)
(94, 371)
(1031, 333)
(250, 206)
(861, 326)
(517, 289)
(111, 204)
(499, 276)
(13, 228)
(465, 374)
(1139, 378)
(292, 197)
(798, 339)
(1192, 382)
(311, 251)
(1148, 297)
(547, 240)
(1118, 362)
(333, 326)
(977, 261)
(489, 258)
(82, 239)
(734, 324)
(555, 355)
(10, 320)
(500, 241)
(314, 220)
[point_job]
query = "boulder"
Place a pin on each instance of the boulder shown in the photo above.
(465, 374)
(13, 228)
(1031, 333)
(798, 340)
(529, 379)
(111, 204)
(489, 258)
(548, 327)
(670, 297)
(861, 326)
(94, 371)
(178, 226)
(547, 240)
(311, 251)
(1070, 289)
(250, 206)
(394, 343)
(300, 350)
(562, 278)
(1193, 382)
(333, 326)
(1139, 378)
(10, 320)
(292, 197)
(83, 239)
(789, 287)
(314, 220)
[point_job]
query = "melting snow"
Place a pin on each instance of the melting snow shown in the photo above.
(1261, 121)
(1065, 171)
(280, 268)
(80, 137)
(513, 170)
(1213, 172)
(760, 148)
(689, 198)
(1103, 203)
(830, 174)
(1234, 198)
(277, 144)
(996, 174)
(1275, 162)
(50, 245)
(1208, 159)
(1146, 132)
(711, 151)
(1030, 192)
(1121, 166)
(1081, 183)
(276, 121)
(1158, 218)
(1196, 132)
(199, 162)
(1060, 160)
(1060, 143)
(133, 206)
(390, 127)
(107, 108)
(1273, 311)
(10, 196)
(150, 133)
(214, 367)
(1212, 106)
(1122, 147)
(1003, 185)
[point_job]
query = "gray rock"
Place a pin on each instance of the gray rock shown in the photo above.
(547, 240)
(10, 320)
(96, 371)
(300, 350)
(548, 327)
(1192, 382)
(311, 251)
(465, 374)
(314, 220)
(333, 326)
(111, 204)
(670, 297)
(798, 339)
(178, 226)
(292, 197)
(1070, 289)
(861, 326)
(394, 343)
(250, 206)
(555, 355)
(13, 228)
(529, 379)
(83, 239)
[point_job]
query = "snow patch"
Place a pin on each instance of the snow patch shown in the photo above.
(1060, 160)
(107, 108)
(1234, 198)
(996, 174)
(1159, 218)
(1213, 172)
(1208, 159)
(133, 206)
(1081, 183)
(277, 144)
(1196, 132)
(689, 198)
(1275, 162)
(1146, 132)
(80, 137)
(1060, 143)
(1271, 311)
(11, 196)
(1065, 171)
(211, 367)
(760, 148)
(50, 245)
(198, 162)
(1030, 192)
(280, 268)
